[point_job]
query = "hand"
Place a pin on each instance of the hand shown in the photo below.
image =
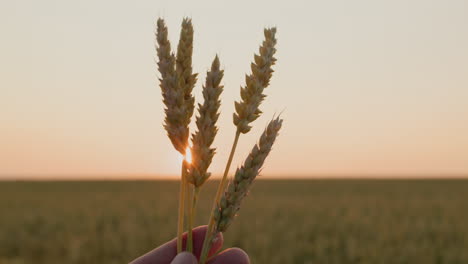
(167, 253)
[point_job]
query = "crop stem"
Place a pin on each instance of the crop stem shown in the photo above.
(180, 222)
(192, 213)
(209, 231)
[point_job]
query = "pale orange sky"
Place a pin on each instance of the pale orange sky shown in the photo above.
(368, 88)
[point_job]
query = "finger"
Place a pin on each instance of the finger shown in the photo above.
(184, 258)
(167, 252)
(198, 238)
(231, 256)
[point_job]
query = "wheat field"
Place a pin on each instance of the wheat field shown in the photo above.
(297, 221)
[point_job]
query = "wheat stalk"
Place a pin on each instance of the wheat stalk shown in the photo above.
(229, 204)
(176, 84)
(186, 81)
(202, 152)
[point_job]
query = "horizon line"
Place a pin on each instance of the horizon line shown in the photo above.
(154, 177)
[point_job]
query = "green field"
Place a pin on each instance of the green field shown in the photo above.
(315, 221)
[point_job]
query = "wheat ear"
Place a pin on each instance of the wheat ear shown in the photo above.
(185, 77)
(247, 110)
(176, 120)
(241, 183)
(176, 84)
(202, 152)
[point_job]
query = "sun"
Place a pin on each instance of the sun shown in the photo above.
(185, 158)
(188, 155)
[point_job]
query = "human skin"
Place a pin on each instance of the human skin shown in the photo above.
(167, 253)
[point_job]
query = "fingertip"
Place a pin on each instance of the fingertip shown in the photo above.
(199, 234)
(184, 258)
(231, 256)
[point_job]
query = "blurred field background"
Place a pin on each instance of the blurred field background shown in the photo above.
(297, 221)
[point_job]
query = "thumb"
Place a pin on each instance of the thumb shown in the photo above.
(184, 258)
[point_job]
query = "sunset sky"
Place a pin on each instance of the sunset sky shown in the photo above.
(366, 88)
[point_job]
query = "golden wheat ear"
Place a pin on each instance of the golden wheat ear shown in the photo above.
(175, 121)
(185, 76)
(202, 139)
(240, 185)
(247, 110)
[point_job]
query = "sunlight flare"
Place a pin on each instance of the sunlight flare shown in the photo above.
(188, 155)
